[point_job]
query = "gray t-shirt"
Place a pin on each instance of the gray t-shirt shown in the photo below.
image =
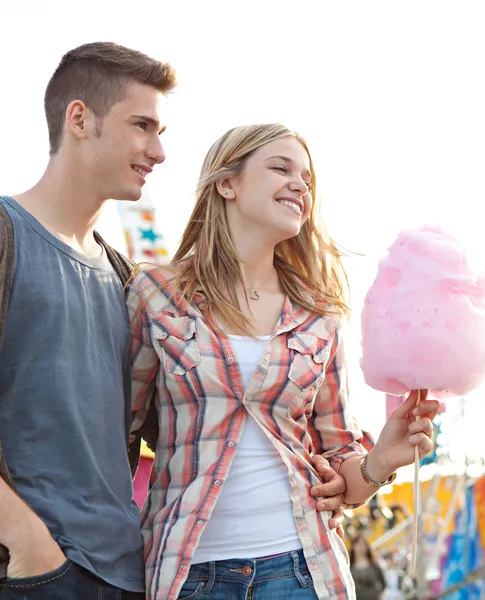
(65, 401)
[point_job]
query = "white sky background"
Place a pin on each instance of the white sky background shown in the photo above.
(390, 96)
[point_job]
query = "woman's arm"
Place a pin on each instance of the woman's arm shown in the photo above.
(344, 444)
(145, 366)
(339, 437)
(393, 449)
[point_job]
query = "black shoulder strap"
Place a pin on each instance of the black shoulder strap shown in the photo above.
(6, 264)
(122, 265)
(7, 247)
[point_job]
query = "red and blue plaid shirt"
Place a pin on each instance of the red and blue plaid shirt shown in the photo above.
(298, 395)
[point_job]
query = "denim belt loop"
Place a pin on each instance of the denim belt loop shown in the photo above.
(296, 566)
(212, 578)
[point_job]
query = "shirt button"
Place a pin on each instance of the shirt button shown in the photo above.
(230, 444)
(200, 522)
(183, 567)
(201, 305)
(230, 359)
(217, 482)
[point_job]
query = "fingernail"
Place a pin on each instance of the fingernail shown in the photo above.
(323, 505)
(416, 411)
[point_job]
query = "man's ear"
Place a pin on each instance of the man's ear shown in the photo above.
(80, 122)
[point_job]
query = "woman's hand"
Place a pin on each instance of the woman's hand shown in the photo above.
(401, 434)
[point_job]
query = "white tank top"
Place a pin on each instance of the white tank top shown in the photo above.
(253, 516)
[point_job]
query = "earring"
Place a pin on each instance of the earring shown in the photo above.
(227, 193)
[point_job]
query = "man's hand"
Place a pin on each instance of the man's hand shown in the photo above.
(36, 553)
(330, 493)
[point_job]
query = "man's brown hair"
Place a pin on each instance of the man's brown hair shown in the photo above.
(98, 74)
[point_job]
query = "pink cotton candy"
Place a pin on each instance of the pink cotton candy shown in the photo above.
(423, 321)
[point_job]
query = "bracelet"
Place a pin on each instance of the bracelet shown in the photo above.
(368, 479)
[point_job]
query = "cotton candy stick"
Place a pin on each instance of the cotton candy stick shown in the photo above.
(416, 500)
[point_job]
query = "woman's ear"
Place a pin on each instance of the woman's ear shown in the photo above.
(226, 189)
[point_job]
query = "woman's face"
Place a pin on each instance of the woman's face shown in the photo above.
(360, 547)
(272, 192)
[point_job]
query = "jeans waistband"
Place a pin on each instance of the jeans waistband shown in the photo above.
(252, 571)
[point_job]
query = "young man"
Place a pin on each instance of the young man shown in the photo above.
(73, 531)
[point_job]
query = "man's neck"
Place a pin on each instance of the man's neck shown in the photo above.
(65, 207)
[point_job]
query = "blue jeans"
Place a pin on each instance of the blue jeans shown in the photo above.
(283, 577)
(68, 582)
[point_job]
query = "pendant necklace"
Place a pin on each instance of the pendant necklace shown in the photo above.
(253, 293)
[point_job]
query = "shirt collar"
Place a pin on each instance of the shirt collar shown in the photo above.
(292, 315)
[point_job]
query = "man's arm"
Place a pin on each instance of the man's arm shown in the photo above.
(330, 493)
(32, 549)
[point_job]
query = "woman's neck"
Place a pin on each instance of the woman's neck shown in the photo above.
(255, 253)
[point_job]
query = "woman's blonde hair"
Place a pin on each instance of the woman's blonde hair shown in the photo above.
(308, 265)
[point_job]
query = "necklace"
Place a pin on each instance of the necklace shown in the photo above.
(253, 294)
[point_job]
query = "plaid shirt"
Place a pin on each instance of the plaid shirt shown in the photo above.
(298, 395)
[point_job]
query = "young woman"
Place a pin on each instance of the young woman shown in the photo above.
(238, 345)
(366, 571)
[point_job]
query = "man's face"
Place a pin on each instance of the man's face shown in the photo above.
(128, 145)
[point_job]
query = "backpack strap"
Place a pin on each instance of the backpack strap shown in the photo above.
(7, 247)
(122, 265)
(149, 430)
(6, 264)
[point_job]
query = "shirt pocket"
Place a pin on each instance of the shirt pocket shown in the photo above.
(176, 336)
(309, 355)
